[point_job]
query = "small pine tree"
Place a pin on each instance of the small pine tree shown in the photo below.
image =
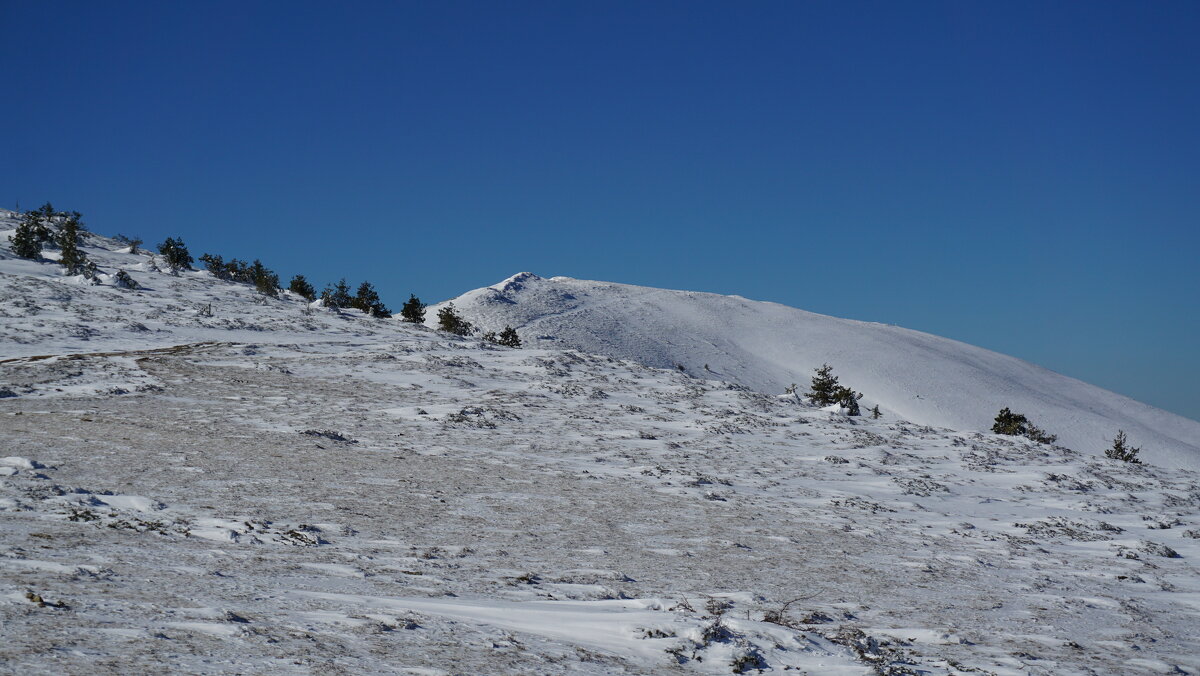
(509, 338)
(413, 310)
(41, 220)
(215, 265)
(27, 241)
(72, 258)
(176, 255)
(337, 297)
(848, 399)
(824, 388)
(1121, 450)
(300, 286)
(239, 271)
(1013, 424)
(450, 321)
(367, 299)
(265, 281)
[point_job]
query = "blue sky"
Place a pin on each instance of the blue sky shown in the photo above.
(1021, 176)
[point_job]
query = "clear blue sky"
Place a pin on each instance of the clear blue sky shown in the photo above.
(1021, 176)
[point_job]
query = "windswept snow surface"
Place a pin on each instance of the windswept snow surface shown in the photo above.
(194, 479)
(767, 347)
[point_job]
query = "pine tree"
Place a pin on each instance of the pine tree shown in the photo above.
(300, 286)
(265, 281)
(337, 297)
(239, 271)
(40, 221)
(78, 218)
(27, 241)
(1121, 450)
(848, 399)
(215, 265)
(175, 254)
(72, 258)
(364, 297)
(509, 338)
(450, 321)
(367, 300)
(1013, 424)
(824, 389)
(413, 310)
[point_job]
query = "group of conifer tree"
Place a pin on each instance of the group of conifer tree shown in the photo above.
(48, 227)
(450, 321)
(1017, 424)
(266, 282)
(825, 390)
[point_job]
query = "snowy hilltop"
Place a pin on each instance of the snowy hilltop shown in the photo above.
(202, 476)
(768, 347)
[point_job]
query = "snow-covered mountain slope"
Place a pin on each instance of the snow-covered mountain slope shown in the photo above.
(197, 479)
(43, 312)
(767, 347)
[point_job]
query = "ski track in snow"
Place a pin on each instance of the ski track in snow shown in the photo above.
(271, 489)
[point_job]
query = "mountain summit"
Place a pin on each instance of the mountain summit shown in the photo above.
(768, 347)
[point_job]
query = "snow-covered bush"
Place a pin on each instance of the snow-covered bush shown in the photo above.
(1016, 424)
(848, 399)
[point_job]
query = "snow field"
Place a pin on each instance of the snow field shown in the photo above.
(275, 489)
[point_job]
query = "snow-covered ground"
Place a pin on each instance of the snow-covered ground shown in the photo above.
(194, 479)
(767, 347)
